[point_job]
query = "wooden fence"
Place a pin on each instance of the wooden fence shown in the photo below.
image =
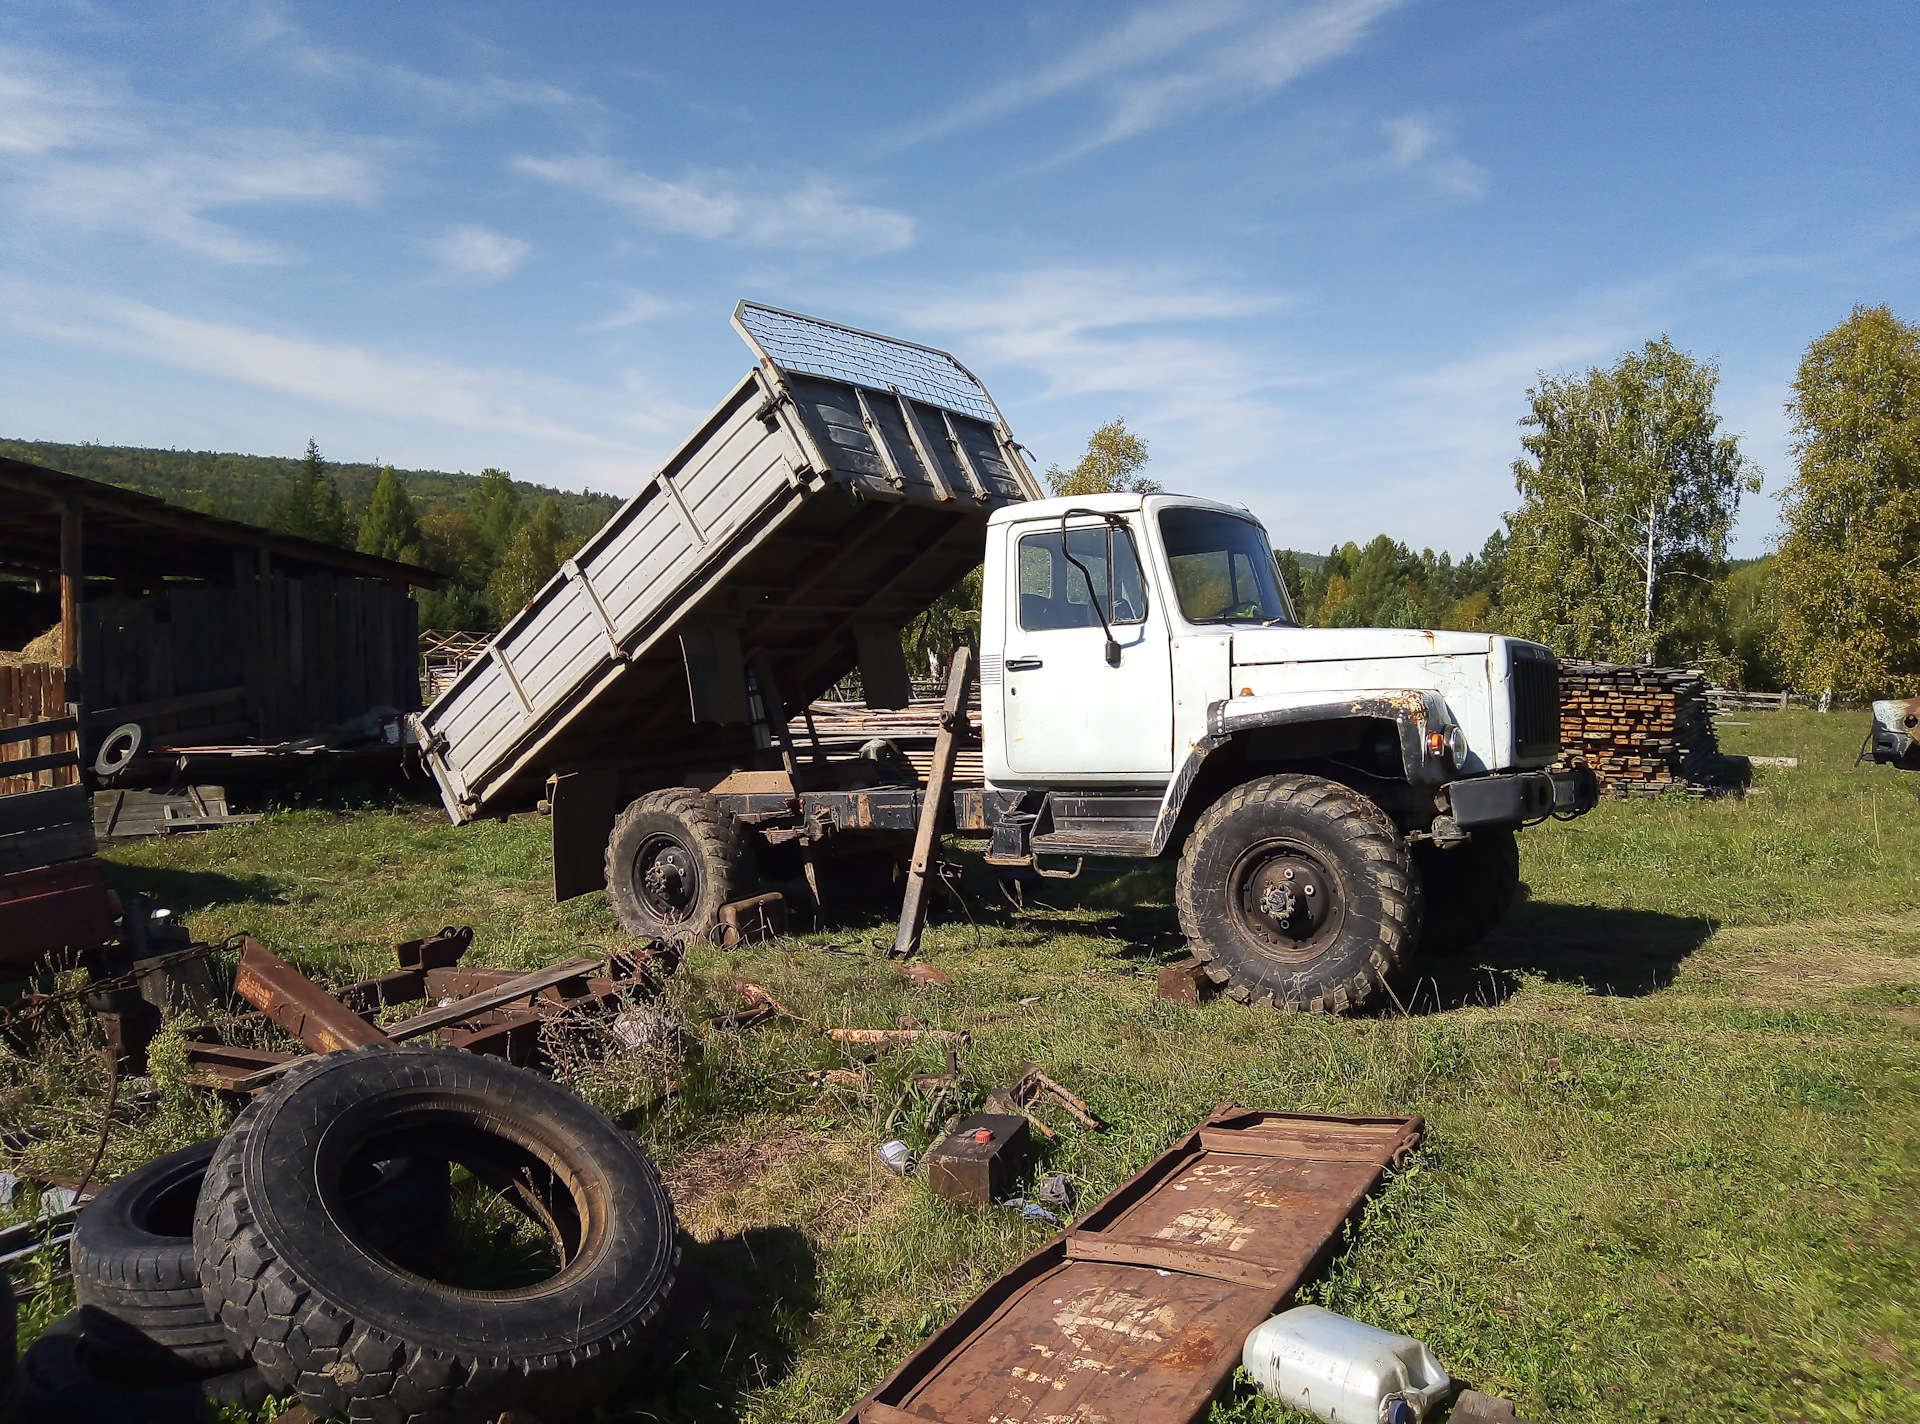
(34, 692)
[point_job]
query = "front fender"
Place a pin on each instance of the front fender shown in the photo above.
(1413, 714)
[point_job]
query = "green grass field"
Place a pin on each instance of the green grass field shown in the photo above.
(1673, 1162)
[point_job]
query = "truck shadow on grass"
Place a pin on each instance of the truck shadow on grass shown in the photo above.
(731, 1326)
(1612, 952)
(184, 891)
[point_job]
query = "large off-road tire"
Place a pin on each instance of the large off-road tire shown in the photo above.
(325, 1313)
(90, 1368)
(1299, 892)
(1468, 890)
(674, 858)
(132, 1249)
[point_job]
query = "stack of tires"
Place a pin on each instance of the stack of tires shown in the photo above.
(308, 1253)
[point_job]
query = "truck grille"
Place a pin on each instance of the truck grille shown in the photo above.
(1535, 684)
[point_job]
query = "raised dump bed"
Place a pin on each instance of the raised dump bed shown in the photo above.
(840, 488)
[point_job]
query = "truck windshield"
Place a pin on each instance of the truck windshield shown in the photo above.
(1223, 569)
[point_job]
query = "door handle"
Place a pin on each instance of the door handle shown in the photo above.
(1022, 664)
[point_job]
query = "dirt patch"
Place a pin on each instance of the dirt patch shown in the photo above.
(729, 1166)
(1822, 961)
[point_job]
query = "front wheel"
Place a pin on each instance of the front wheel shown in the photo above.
(1469, 889)
(674, 858)
(1298, 892)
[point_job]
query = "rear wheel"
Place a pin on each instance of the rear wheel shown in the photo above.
(1298, 892)
(674, 858)
(1468, 889)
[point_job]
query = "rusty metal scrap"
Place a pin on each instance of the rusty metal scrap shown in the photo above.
(1141, 1310)
(1031, 1084)
(521, 986)
(297, 1004)
(493, 1011)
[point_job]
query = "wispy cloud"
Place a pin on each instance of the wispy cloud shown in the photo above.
(271, 29)
(354, 376)
(1092, 329)
(1163, 63)
(1414, 145)
(77, 151)
(477, 252)
(815, 215)
(635, 308)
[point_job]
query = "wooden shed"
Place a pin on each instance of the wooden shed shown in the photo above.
(199, 628)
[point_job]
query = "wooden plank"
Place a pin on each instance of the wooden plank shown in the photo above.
(913, 907)
(20, 766)
(166, 706)
(29, 850)
(32, 730)
(36, 810)
(523, 987)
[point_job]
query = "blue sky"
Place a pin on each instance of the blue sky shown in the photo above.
(1315, 252)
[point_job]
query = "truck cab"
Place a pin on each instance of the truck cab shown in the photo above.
(1141, 667)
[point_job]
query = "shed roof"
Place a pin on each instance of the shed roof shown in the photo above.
(125, 533)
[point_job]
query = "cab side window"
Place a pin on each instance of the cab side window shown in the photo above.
(1055, 594)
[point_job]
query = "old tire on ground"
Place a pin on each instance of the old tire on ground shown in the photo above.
(90, 1368)
(323, 1312)
(1468, 890)
(133, 1257)
(674, 858)
(1298, 892)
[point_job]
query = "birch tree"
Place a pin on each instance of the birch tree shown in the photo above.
(1845, 584)
(1628, 495)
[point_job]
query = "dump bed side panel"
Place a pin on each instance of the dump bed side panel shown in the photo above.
(561, 643)
(805, 508)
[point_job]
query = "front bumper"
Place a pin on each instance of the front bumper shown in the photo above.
(1514, 799)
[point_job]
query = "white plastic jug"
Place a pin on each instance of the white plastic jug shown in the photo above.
(1342, 1370)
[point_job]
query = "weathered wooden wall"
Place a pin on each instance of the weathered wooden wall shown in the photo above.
(34, 692)
(294, 655)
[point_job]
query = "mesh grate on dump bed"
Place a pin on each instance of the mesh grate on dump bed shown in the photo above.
(819, 348)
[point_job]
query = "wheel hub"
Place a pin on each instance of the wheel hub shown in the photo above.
(666, 878)
(1288, 901)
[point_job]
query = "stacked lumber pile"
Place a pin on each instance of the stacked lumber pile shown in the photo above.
(1641, 729)
(912, 728)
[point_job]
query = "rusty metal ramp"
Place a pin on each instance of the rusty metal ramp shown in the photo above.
(1139, 1313)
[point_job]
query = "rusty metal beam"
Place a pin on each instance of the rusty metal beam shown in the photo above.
(297, 1004)
(524, 986)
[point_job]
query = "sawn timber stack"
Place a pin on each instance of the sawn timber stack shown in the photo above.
(1640, 729)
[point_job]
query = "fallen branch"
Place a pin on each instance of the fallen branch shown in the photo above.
(761, 999)
(891, 1037)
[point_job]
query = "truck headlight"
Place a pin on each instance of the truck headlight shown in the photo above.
(1457, 745)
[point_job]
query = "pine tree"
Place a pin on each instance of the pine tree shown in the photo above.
(495, 505)
(311, 508)
(390, 528)
(533, 557)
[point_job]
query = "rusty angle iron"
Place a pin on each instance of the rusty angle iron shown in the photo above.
(1140, 1311)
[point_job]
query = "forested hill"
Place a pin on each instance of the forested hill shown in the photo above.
(246, 486)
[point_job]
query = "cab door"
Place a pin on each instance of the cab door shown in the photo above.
(1069, 713)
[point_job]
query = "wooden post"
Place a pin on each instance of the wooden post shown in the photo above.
(935, 808)
(72, 591)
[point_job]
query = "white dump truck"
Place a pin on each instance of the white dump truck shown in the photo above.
(1336, 799)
